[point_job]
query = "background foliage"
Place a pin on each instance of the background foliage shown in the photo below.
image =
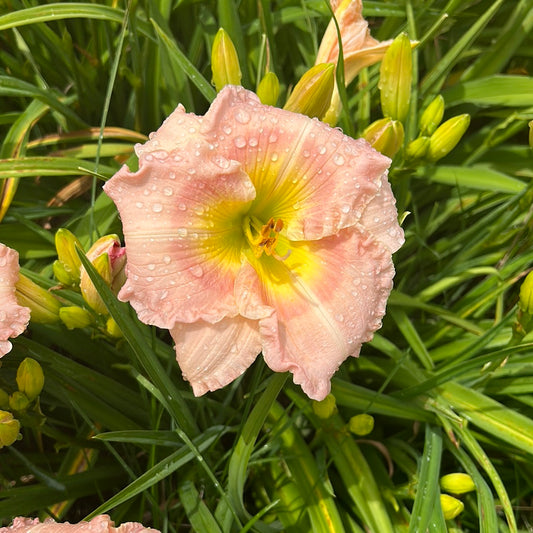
(449, 378)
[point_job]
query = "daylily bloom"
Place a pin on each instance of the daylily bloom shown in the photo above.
(99, 524)
(257, 229)
(13, 317)
(359, 48)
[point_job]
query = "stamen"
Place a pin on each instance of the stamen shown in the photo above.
(265, 238)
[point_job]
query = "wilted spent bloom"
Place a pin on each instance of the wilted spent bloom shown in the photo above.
(268, 89)
(44, 306)
(417, 149)
(108, 258)
(13, 316)
(311, 96)
(67, 267)
(451, 506)
(30, 378)
(446, 137)
(457, 483)
(525, 302)
(362, 424)
(432, 116)
(395, 78)
(326, 407)
(75, 317)
(385, 135)
(224, 61)
(9, 431)
(99, 524)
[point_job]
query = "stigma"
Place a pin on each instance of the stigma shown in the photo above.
(263, 238)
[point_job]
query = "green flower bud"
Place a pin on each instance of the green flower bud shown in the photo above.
(75, 317)
(18, 401)
(458, 483)
(325, 408)
(9, 429)
(446, 137)
(525, 302)
(268, 89)
(112, 328)
(68, 273)
(451, 506)
(417, 149)
(385, 135)
(312, 94)
(30, 378)
(362, 424)
(396, 73)
(432, 116)
(4, 399)
(43, 305)
(224, 61)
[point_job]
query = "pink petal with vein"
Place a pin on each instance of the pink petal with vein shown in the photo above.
(13, 317)
(99, 524)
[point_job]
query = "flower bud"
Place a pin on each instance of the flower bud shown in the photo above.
(43, 305)
(30, 378)
(458, 483)
(312, 94)
(112, 328)
(9, 429)
(109, 259)
(525, 302)
(268, 89)
(75, 317)
(451, 506)
(4, 399)
(325, 408)
(446, 137)
(432, 116)
(396, 73)
(67, 271)
(18, 401)
(362, 424)
(224, 61)
(385, 135)
(417, 149)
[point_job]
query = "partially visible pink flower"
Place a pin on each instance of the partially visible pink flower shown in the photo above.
(99, 524)
(359, 48)
(256, 229)
(13, 317)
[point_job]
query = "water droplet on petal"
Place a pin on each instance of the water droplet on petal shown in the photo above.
(227, 130)
(273, 138)
(167, 191)
(274, 156)
(253, 142)
(166, 259)
(242, 116)
(338, 159)
(151, 266)
(139, 204)
(306, 153)
(157, 208)
(182, 232)
(322, 150)
(197, 271)
(172, 175)
(182, 206)
(240, 141)
(345, 208)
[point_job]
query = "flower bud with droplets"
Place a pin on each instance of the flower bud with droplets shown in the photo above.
(224, 61)
(30, 378)
(268, 89)
(432, 116)
(385, 135)
(446, 137)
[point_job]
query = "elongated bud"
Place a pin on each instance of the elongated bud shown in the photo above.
(458, 483)
(396, 73)
(446, 137)
(531, 134)
(525, 302)
(312, 94)
(451, 506)
(325, 408)
(67, 271)
(224, 61)
(432, 116)
(112, 328)
(9, 429)
(43, 305)
(75, 317)
(109, 259)
(30, 378)
(385, 135)
(18, 401)
(362, 424)
(417, 149)
(268, 89)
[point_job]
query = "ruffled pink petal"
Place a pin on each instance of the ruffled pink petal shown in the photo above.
(181, 217)
(213, 355)
(324, 309)
(13, 317)
(313, 177)
(99, 524)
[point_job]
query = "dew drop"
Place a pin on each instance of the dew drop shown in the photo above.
(242, 116)
(322, 150)
(148, 157)
(338, 159)
(197, 271)
(166, 259)
(157, 208)
(274, 156)
(227, 130)
(306, 153)
(273, 138)
(240, 141)
(151, 266)
(172, 175)
(182, 206)
(345, 208)
(139, 204)
(167, 191)
(253, 142)
(182, 232)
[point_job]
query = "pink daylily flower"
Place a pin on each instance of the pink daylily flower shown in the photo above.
(254, 229)
(359, 48)
(13, 317)
(99, 524)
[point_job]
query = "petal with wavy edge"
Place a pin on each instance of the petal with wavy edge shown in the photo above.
(213, 355)
(182, 218)
(313, 177)
(13, 317)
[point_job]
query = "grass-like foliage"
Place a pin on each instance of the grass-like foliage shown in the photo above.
(448, 380)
